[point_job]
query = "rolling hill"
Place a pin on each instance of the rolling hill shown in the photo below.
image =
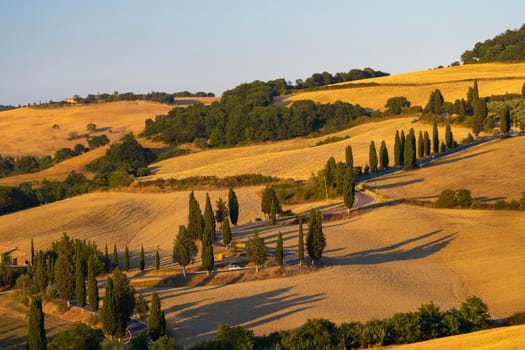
(493, 79)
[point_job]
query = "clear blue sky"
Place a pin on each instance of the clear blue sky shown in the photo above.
(55, 49)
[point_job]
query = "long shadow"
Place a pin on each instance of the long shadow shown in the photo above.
(397, 184)
(200, 323)
(395, 252)
(457, 159)
(488, 199)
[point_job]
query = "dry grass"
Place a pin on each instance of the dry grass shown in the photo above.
(493, 79)
(507, 338)
(491, 171)
(292, 158)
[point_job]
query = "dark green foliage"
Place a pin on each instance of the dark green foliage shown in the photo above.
(142, 262)
(40, 273)
(184, 249)
(222, 210)
(410, 151)
(402, 141)
(420, 145)
(508, 46)
(65, 268)
(32, 252)
(80, 284)
(269, 198)
(97, 141)
(36, 338)
(449, 137)
(273, 213)
(447, 199)
(442, 147)
(106, 258)
(430, 321)
(115, 257)
(195, 222)
(279, 250)
(464, 198)
(141, 306)
(126, 259)
(372, 157)
(476, 313)
(233, 206)
(349, 188)
(349, 157)
(208, 236)
(226, 232)
(396, 105)
(315, 240)
(517, 318)
(435, 138)
(397, 150)
(92, 284)
(208, 260)
(108, 315)
(426, 142)
(523, 90)
(124, 298)
(234, 338)
(435, 103)
(157, 260)
(256, 250)
(300, 242)
(383, 156)
(140, 341)
(78, 336)
(504, 120)
(164, 343)
(154, 321)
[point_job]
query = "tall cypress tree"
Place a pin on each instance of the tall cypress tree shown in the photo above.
(402, 145)
(349, 157)
(348, 189)
(126, 259)
(40, 273)
(115, 257)
(420, 145)
(184, 249)
(426, 139)
(195, 224)
(315, 240)
(155, 315)
(397, 149)
(106, 259)
(208, 237)
(108, 315)
(124, 298)
(449, 138)
(142, 262)
(226, 232)
(279, 251)
(233, 206)
(372, 157)
(92, 284)
(157, 260)
(300, 242)
(435, 138)
(504, 120)
(410, 150)
(32, 252)
(383, 156)
(65, 269)
(36, 338)
(80, 285)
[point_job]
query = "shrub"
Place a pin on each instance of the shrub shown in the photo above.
(98, 141)
(476, 313)
(447, 199)
(235, 337)
(517, 318)
(464, 198)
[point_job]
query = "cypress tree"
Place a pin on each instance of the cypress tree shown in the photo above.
(349, 157)
(420, 145)
(462, 110)
(410, 150)
(195, 226)
(504, 120)
(155, 315)
(315, 240)
(185, 248)
(233, 206)
(208, 236)
(65, 269)
(32, 252)
(397, 149)
(383, 156)
(523, 90)
(142, 260)
(36, 337)
(124, 300)
(115, 257)
(402, 145)
(372, 157)
(106, 258)
(40, 273)
(426, 139)
(273, 213)
(226, 232)
(162, 323)
(449, 138)
(435, 138)
(279, 251)
(300, 242)
(92, 284)
(348, 189)
(157, 260)
(126, 259)
(80, 285)
(108, 315)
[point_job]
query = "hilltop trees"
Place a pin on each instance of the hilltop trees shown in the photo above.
(233, 206)
(315, 240)
(36, 339)
(507, 46)
(372, 157)
(256, 250)
(184, 249)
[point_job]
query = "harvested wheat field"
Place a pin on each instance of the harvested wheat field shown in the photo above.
(493, 79)
(377, 265)
(492, 171)
(507, 338)
(295, 158)
(29, 131)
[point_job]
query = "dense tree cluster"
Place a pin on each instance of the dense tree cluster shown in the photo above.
(508, 46)
(325, 78)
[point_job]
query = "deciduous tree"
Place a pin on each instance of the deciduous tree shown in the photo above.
(256, 250)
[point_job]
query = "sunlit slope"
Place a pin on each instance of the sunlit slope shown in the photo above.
(493, 79)
(293, 158)
(29, 131)
(507, 338)
(492, 171)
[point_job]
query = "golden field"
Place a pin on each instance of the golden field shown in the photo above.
(493, 79)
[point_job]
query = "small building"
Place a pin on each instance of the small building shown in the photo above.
(14, 256)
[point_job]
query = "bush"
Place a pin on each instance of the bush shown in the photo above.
(234, 338)
(98, 141)
(79, 336)
(464, 198)
(447, 199)
(476, 313)
(517, 318)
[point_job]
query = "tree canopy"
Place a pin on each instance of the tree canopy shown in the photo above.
(507, 46)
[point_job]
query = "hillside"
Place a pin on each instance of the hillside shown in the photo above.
(493, 79)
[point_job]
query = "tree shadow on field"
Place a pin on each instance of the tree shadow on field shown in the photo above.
(396, 184)
(396, 252)
(456, 159)
(200, 323)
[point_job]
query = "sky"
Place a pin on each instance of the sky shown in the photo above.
(56, 49)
